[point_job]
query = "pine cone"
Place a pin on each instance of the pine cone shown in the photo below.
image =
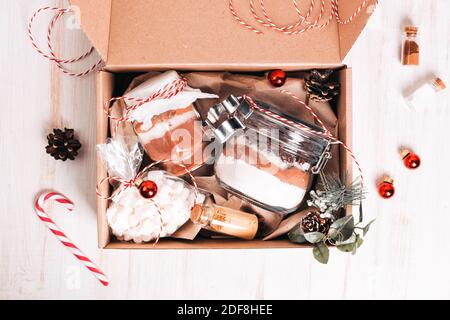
(314, 223)
(62, 145)
(319, 86)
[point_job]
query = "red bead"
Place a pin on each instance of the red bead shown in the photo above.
(277, 77)
(410, 159)
(148, 189)
(386, 188)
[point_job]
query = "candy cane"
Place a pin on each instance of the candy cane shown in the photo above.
(42, 214)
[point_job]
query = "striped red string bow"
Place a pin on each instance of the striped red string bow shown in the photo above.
(50, 54)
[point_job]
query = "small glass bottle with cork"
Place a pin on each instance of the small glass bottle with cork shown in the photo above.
(424, 95)
(226, 221)
(410, 49)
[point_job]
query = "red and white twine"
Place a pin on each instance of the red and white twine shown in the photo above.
(303, 25)
(132, 182)
(293, 28)
(51, 56)
(44, 217)
(168, 91)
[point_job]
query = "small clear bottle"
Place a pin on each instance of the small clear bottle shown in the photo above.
(410, 50)
(423, 95)
(225, 221)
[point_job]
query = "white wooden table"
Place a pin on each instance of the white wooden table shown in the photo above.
(406, 254)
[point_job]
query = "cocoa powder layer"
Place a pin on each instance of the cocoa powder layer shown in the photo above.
(181, 142)
(410, 53)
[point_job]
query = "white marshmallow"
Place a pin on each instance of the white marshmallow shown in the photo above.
(133, 218)
(129, 197)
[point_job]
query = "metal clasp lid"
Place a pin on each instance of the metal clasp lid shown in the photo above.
(229, 106)
(227, 118)
(323, 160)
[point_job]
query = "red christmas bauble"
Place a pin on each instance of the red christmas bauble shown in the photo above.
(410, 159)
(386, 188)
(277, 77)
(148, 189)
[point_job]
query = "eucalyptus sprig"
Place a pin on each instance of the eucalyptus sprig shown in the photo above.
(343, 232)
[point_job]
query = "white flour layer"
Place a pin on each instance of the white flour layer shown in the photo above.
(258, 184)
(160, 129)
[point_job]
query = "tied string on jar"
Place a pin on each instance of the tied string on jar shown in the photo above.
(168, 91)
(51, 55)
(304, 24)
(318, 169)
(123, 157)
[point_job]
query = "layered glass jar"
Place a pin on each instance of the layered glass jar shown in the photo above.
(170, 129)
(264, 160)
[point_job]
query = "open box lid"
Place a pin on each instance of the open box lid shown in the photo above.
(203, 35)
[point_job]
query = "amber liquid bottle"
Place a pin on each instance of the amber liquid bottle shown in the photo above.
(226, 221)
(410, 50)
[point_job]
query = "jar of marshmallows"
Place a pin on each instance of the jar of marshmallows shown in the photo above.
(264, 160)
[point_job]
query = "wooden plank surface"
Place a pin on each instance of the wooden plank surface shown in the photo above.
(406, 255)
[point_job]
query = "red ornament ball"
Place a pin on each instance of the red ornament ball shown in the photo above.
(386, 188)
(148, 189)
(410, 159)
(277, 77)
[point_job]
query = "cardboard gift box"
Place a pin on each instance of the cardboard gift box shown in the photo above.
(202, 35)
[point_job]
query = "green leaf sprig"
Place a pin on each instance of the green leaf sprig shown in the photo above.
(343, 233)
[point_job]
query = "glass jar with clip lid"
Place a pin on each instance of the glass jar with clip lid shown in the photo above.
(266, 158)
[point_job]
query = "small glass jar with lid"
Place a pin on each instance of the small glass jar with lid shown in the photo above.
(266, 161)
(410, 49)
(424, 95)
(170, 128)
